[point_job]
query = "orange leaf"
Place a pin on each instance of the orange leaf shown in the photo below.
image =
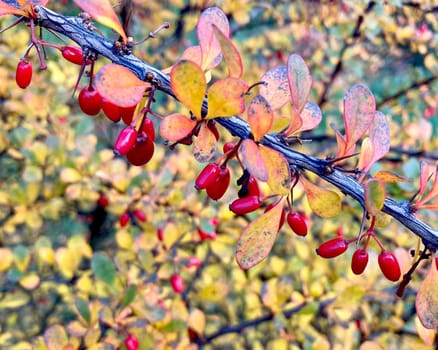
(323, 202)
(256, 241)
(300, 81)
(434, 189)
(359, 113)
(260, 117)
(225, 98)
(210, 46)
(103, 12)
(276, 91)
(426, 302)
(278, 171)
(126, 92)
(252, 160)
(366, 154)
(205, 144)
(26, 3)
(6, 9)
(176, 126)
(189, 85)
(426, 171)
(388, 177)
(374, 193)
(230, 53)
(311, 116)
(295, 123)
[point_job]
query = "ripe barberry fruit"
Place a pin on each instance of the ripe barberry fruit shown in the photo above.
(245, 205)
(297, 223)
(160, 234)
(90, 101)
(229, 148)
(206, 235)
(142, 150)
(73, 54)
(124, 219)
(148, 127)
(389, 266)
(23, 74)
(283, 214)
(111, 110)
(103, 201)
(126, 140)
(220, 185)
(359, 261)
(207, 176)
(177, 283)
(131, 342)
(127, 114)
(193, 261)
(332, 248)
(249, 184)
(140, 215)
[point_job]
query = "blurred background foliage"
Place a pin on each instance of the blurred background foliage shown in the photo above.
(71, 273)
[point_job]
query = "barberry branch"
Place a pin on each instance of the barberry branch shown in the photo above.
(73, 28)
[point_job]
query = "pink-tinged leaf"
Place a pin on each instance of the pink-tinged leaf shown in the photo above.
(256, 241)
(431, 206)
(323, 202)
(176, 126)
(204, 145)
(390, 177)
(311, 116)
(226, 98)
(366, 155)
(295, 123)
(379, 137)
(426, 335)
(126, 92)
(210, 46)
(434, 189)
(426, 302)
(300, 81)
(276, 91)
(6, 9)
(194, 54)
(103, 12)
(230, 54)
(359, 113)
(56, 337)
(340, 139)
(374, 194)
(252, 160)
(26, 3)
(279, 180)
(426, 171)
(260, 117)
(189, 85)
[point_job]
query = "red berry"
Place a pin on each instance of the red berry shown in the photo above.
(90, 101)
(283, 214)
(73, 54)
(215, 222)
(140, 215)
(148, 127)
(206, 235)
(131, 342)
(160, 234)
(253, 187)
(220, 185)
(126, 140)
(127, 114)
(249, 184)
(297, 223)
(245, 205)
(142, 150)
(332, 248)
(103, 201)
(177, 283)
(389, 265)
(124, 219)
(229, 148)
(207, 176)
(111, 110)
(23, 74)
(359, 261)
(193, 262)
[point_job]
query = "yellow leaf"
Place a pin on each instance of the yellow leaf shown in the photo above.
(170, 234)
(30, 281)
(323, 202)
(226, 98)
(197, 321)
(70, 175)
(426, 334)
(427, 298)
(6, 259)
(66, 262)
(205, 144)
(374, 193)
(389, 176)
(256, 241)
(278, 171)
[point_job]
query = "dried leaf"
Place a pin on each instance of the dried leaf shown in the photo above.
(279, 180)
(205, 144)
(256, 241)
(323, 202)
(226, 98)
(189, 85)
(276, 91)
(300, 81)
(6, 9)
(252, 160)
(103, 12)
(374, 196)
(389, 176)
(176, 126)
(426, 302)
(260, 117)
(210, 46)
(359, 113)
(126, 92)
(230, 54)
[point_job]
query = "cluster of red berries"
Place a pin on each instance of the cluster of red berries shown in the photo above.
(387, 261)
(127, 216)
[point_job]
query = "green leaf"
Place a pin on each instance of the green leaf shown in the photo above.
(257, 240)
(374, 196)
(129, 296)
(103, 268)
(83, 309)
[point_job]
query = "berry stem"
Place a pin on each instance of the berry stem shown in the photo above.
(36, 41)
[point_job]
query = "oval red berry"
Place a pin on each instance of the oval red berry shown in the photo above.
(389, 266)
(90, 101)
(23, 74)
(332, 248)
(207, 176)
(245, 205)
(297, 223)
(359, 261)
(177, 283)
